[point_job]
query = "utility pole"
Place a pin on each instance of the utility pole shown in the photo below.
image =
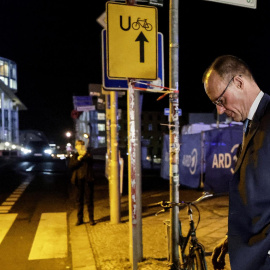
(114, 163)
(108, 135)
(174, 131)
(134, 176)
(134, 172)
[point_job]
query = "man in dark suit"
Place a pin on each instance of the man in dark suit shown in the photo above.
(231, 87)
(82, 177)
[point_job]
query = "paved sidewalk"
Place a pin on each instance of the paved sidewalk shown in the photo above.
(105, 246)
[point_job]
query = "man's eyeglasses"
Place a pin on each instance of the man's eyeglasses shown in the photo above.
(218, 100)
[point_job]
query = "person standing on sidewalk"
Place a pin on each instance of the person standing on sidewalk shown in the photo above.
(230, 85)
(82, 177)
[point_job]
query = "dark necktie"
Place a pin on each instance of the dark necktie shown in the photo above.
(246, 126)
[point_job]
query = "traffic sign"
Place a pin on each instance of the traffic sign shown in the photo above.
(122, 84)
(83, 103)
(167, 111)
(86, 108)
(241, 3)
(131, 41)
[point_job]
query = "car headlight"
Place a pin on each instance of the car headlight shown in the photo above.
(26, 151)
(48, 151)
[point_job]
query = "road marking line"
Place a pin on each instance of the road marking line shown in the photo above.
(51, 237)
(8, 203)
(5, 208)
(5, 223)
(13, 197)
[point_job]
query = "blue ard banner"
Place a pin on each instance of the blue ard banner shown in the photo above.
(221, 147)
(190, 160)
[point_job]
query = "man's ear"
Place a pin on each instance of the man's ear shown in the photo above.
(239, 82)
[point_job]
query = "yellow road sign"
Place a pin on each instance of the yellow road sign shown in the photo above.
(131, 41)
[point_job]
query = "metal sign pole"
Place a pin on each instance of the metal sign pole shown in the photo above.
(134, 146)
(114, 173)
(134, 175)
(174, 132)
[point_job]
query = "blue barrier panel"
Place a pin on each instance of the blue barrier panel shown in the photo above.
(190, 160)
(221, 146)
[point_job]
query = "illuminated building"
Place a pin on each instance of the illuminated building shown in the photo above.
(10, 105)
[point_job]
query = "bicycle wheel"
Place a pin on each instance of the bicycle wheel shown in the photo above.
(135, 25)
(148, 27)
(196, 260)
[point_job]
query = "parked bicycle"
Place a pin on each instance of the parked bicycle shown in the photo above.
(192, 258)
(142, 23)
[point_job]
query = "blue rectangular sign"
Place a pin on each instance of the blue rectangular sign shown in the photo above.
(167, 111)
(82, 100)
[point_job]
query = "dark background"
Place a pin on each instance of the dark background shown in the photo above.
(57, 47)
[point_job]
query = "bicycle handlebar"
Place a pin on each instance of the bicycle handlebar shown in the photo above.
(167, 204)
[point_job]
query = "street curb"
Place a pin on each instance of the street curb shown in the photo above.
(82, 253)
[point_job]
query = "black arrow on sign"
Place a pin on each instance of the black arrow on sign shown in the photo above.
(141, 37)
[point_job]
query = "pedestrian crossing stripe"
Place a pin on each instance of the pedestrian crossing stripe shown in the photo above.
(50, 240)
(6, 222)
(51, 237)
(6, 206)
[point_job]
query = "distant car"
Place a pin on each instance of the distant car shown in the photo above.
(37, 149)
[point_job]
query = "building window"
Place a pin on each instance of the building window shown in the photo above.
(8, 73)
(101, 116)
(3, 68)
(101, 127)
(150, 127)
(101, 139)
(5, 80)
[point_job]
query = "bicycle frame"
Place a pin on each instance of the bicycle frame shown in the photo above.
(195, 257)
(191, 239)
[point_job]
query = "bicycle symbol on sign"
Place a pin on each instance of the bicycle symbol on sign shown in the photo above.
(142, 23)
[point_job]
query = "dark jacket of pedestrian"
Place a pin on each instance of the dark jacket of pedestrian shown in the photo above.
(81, 169)
(81, 166)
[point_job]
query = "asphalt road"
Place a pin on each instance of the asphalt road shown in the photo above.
(34, 203)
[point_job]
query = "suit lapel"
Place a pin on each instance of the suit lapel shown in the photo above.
(253, 128)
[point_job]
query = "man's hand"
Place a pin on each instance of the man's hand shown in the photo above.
(218, 255)
(80, 157)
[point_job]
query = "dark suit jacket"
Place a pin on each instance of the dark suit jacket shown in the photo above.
(81, 169)
(249, 203)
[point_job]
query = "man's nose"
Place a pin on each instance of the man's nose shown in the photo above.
(220, 109)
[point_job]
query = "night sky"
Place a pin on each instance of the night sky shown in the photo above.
(57, 47)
